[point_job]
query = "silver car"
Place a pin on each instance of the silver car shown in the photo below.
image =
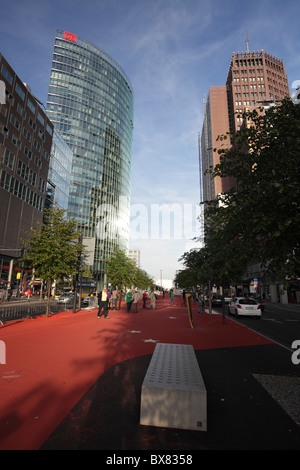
(244, 306)
(65, 298)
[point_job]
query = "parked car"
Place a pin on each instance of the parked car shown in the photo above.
(65, 298)
(244, 306)
(90, 298)
(216, 300)
(86, 300)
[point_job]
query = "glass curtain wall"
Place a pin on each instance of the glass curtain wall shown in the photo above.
(90, 102)
(59, 175)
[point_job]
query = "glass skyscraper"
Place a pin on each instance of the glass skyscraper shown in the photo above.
(90, 102)
(59, 176)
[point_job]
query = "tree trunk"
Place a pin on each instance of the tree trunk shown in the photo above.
(209, 297)
(48, 297)
(223, 304)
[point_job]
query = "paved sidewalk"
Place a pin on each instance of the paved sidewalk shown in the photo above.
(74, 382)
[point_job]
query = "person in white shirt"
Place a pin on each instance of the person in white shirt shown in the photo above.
(103, 303)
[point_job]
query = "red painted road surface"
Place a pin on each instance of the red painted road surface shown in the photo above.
(51, 363)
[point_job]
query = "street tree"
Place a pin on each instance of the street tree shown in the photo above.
(122, 271)
(262, 211)
(52, 248)
(259, 218)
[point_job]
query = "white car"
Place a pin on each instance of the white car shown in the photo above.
(244, 306)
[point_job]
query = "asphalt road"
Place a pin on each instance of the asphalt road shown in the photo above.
(280, 323)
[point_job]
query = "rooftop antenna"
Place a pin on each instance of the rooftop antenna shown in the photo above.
(247, 41)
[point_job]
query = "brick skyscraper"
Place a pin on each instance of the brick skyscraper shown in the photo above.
(254, 79)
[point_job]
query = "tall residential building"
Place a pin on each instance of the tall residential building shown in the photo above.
(90, 102)
(254, 79)
(25, 146)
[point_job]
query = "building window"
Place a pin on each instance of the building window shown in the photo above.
(40, 118)
(8, 159)
(38, 162)
(32, 124)
(6, 74)
(21, 111)
(16, 142)
(15, 121)
(36, 145)
(41, 135)
(42, 185)
(20, 92)
(26, 173)
(46, 155)
(26, 134)
(49, 129)
(28, 153)
(4, 130)
(31, 105)
(5, 180)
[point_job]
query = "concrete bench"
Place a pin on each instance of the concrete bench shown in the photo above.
(173, 391)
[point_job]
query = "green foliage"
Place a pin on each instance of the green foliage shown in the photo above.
(186, 279)
(263, 209)
(52, 248)
(258, 219)
(122, 271)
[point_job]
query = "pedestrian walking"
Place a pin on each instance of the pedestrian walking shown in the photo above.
(129, 296)
(103, 303)
(114, 299)
(172, 297)
(201, 304)
(152, 300)
(183, 298)
(28, 293)
(135, 300)
(144, 299)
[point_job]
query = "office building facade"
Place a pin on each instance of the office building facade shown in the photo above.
(90, 102)
(25, 145)
(59, 177)
(215, 123)
(254, 79)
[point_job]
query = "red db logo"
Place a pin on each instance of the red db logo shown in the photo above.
(70, 36)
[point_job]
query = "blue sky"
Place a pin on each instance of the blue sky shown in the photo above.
(172, 52)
